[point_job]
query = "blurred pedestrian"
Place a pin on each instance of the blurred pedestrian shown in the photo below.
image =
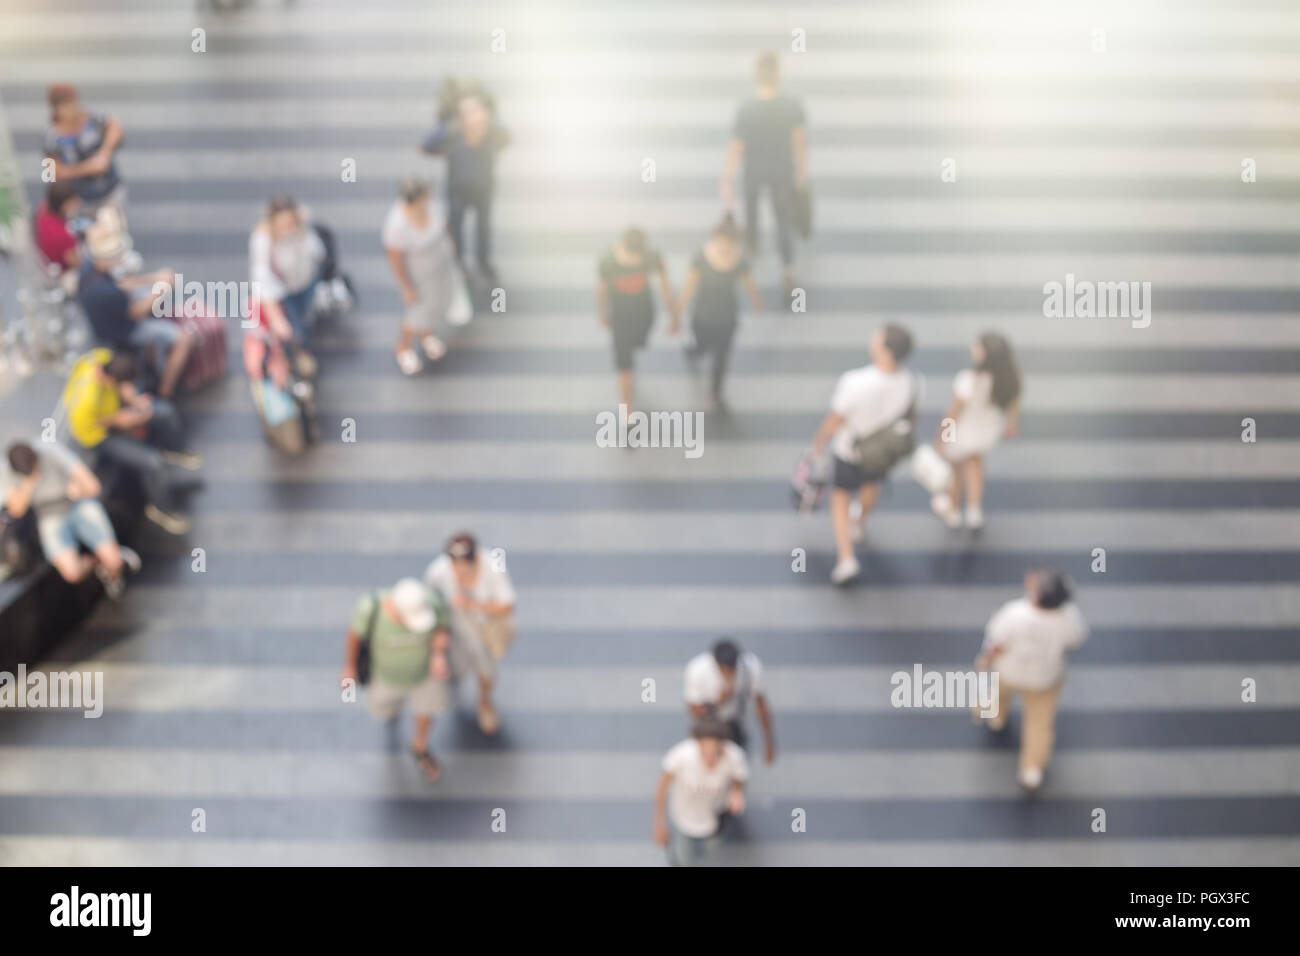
(721, 683)
(870, 409)
(1025, 643)
(471, 139)
(286, 258)
(482, 602)
(985, 406)
(703, 778)
(769, 139)
(711, 293)
(423, 260)
(397, 643)
(625, 304)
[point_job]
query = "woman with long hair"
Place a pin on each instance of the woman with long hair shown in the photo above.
(985, 407)
(625, 302)
(711, 284)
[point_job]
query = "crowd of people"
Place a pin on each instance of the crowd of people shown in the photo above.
(411, 643)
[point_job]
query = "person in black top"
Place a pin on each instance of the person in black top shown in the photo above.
(625, 304)
(711, 284)
(770, 139)
(471, 140)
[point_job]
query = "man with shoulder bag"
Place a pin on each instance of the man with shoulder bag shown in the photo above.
(870, 428)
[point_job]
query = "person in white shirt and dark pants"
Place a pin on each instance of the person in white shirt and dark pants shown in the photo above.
(1025, 644)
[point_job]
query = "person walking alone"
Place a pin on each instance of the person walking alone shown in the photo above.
(1025, 643)
(717, 269)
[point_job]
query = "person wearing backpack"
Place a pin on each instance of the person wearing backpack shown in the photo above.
(869, 430)
(397, 644)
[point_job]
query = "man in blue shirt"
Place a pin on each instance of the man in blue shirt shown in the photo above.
(125, 313)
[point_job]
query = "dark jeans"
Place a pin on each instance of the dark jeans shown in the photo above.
(782, 195)
(460, 200)
(716, 340)
(297, 310)
(144, 458)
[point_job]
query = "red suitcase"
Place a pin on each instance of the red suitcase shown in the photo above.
(208, 357)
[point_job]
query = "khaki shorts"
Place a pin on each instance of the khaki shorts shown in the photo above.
(429, 698)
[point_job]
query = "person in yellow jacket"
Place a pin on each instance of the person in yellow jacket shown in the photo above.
(115, 424)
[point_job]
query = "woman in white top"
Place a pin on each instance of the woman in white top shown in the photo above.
(422, 257)
(1025, 644)
(285, 258)
(985, 406)
(482, 602)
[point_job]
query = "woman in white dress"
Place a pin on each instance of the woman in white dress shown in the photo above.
(422, 257)
(985, 407)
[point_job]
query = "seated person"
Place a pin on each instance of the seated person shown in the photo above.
(54, 237)
(83, 146)
(285, 258)
(126, 313)
(64, 493)
(114, 423)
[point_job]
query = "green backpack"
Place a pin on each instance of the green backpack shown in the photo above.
(878, 452)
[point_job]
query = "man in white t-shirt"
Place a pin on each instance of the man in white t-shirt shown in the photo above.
(721, 683)
(1025, 643)
(866, 400)
(703, 777)
(482, 602)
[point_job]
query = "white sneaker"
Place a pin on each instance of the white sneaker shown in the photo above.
(845, 571)
(942, 505)
(433, 347)
(1031, 778)
(408, 362)
(974, 517)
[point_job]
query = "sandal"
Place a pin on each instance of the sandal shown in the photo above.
(408, 362)
(429, 765)
(433, 347)
(488, 721)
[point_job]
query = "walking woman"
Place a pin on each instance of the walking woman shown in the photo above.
(625, 303)
(423, 259)
(1025, 644)
(985, 407)
(717, 269)
(482, 602)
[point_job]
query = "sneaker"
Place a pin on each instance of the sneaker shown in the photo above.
(1031, 778)
(433, 347)
(172, 524)
(189, 460)
(114, 587)
(942, 505)
(974, 517)
(408, 362)
(845, 571)
(130, 558)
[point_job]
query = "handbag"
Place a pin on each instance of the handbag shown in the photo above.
(461, 307)
(931, 470)
(808, 484)
(498, 633)
(363, 654)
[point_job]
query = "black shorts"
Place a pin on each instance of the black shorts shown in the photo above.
(849, 477)
(630, 334)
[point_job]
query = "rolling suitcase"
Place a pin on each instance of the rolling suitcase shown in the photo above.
(208, 357)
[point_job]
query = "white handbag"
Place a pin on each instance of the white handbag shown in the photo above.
(461, 308)
(930, 469)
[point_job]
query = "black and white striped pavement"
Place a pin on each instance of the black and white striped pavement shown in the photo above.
(1122, 165)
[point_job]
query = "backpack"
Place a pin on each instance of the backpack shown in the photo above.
(878, 452)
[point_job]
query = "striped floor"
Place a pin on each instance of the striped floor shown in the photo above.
(1117, 165)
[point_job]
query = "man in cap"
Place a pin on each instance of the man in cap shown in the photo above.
(406, 632)
(125, 313)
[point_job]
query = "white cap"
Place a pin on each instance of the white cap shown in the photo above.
(411, 602)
